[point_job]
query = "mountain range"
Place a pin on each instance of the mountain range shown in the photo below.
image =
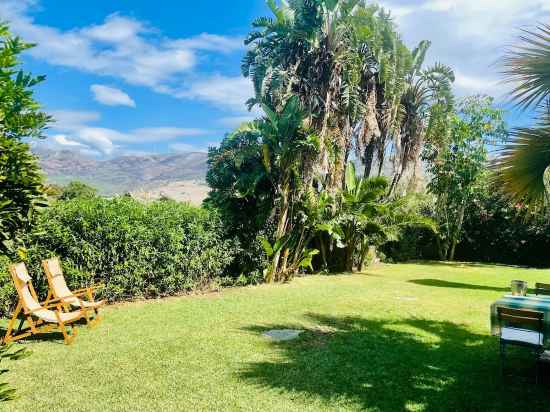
(179, 175)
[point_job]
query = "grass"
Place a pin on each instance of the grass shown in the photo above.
(409, 337)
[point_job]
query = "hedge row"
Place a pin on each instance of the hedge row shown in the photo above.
(136, 250)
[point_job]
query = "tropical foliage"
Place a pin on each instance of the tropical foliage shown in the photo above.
(21, 190)
(362, 89)
(457, 167)
(523, 164)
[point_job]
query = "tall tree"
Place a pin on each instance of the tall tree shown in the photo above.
(522, 166)
(259, 170)
(345, 62)
(21, 190)
(428, 94)
(456, 167)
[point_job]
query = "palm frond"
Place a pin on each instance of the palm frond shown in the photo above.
(527, 67)
(522, 164)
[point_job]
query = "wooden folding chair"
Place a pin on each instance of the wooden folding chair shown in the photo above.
(58, 289)
(521, 327)
(41, 318)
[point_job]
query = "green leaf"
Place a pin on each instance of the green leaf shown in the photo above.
(351, 178)
(267, 247)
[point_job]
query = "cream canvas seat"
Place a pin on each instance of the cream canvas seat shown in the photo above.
(41, 318)
(59, 290)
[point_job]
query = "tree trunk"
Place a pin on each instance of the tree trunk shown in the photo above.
(381, 154)
(454, 240)
(369, 157)
(364, 253)
(323, 251)
(349, 258)
(442, 248)
(395, 181)
(279, 233)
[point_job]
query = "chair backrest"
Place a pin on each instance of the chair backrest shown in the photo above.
(56, 279)
(542, 288)
(23, 285)
(521, 319)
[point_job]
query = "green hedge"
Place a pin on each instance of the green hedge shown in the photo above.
(136, 250)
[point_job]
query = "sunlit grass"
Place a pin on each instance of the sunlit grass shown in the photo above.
(411, 337)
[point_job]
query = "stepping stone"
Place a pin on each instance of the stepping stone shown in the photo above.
(281, 335)
(408, 298)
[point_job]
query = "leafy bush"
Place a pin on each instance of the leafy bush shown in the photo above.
(134, 249)
(415, 243)
(21, 190)
(77, 189)
(500, 231)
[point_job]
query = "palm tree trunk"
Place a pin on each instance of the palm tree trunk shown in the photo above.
(369, 157)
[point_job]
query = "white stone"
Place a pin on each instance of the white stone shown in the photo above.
(280, 335)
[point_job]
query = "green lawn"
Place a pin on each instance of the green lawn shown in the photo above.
(398, 337)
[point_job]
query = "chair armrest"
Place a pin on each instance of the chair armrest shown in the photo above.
(50, 302)
(56, 306)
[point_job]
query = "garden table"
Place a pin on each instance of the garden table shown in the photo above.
(530, 302)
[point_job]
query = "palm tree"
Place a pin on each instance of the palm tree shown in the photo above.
(286, 146)
(365, 216)
(344, 61)
(427, 92)
(523, 164)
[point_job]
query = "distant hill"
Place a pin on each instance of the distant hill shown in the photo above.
(180, 176)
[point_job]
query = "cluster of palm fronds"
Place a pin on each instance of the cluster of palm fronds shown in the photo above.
(362, 88)
(523, 164)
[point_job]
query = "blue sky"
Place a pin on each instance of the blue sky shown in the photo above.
(135, 76)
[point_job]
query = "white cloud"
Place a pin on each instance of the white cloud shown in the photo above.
(116, 29)
(62, 140)
(111, 96)
(76, 129)
(212, 42)
(235, 121)
(223, 91)
(121, 47)
(165, 133)
(184, 147)
(468, 35)
(470, 85)
(98, 138)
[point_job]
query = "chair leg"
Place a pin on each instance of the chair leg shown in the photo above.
(8, 336)
(66, 337)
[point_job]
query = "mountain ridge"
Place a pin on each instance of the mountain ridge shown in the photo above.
(131, 173)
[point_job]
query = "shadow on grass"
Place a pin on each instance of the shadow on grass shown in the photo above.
(414, 364)
(463, 265)
(51, 336)
(446, 284)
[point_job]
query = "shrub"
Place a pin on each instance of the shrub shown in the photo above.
(77, 189)
(136, 250)
(499, 231)
(415, 243)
